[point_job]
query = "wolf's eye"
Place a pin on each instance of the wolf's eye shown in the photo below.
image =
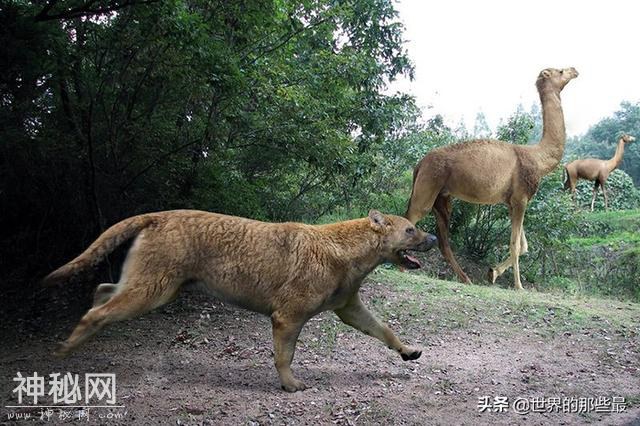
(410, 231)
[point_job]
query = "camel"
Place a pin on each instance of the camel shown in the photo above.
(595, 170)
(492, 172)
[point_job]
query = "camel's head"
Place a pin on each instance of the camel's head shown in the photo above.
(555, 79)
(627, 138)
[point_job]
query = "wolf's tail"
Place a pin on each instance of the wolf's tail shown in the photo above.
(96, 252)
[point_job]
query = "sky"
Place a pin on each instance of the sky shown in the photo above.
(472, 56)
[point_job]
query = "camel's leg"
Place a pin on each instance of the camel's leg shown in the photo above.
(358, 316)
(517, 220)
(442, 211)
(524, 245)
(604, 192)
(570, 184)
(593, 197)
(423, 194)
(498, 270)
(518, 245)
(285, 335)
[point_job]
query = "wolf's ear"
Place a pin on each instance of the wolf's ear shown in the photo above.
(378, 221)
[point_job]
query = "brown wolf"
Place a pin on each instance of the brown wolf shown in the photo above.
(289, 271)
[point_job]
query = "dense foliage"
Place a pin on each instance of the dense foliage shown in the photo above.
(603, 256)
(272, 110)
(601, 140)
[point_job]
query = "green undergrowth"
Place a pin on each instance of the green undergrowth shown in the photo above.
(604, 255)
(615, 229)
(451, 305)
(618, 240)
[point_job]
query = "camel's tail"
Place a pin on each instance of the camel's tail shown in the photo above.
(105, 244)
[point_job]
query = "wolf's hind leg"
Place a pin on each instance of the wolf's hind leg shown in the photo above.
(358, 316)
(136, 297)
(103, 293)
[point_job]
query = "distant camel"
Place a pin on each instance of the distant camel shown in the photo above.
(492, 172)
(595, 170)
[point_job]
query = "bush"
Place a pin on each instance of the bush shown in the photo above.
(549, 223)
(606, 270)
(480, 230)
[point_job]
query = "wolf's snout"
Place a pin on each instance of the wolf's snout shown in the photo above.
(428, 242)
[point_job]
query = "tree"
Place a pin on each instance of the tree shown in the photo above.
(481, 129)
(536, 114)
(517, 129)
(461, 132)
(601, 139)
(272, 110)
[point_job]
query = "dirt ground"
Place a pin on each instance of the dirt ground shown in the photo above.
(198, 361)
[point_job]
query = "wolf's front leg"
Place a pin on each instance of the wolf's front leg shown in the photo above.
(355, 314)
(285, 336)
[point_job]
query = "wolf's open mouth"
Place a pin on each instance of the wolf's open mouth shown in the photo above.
(408, 261)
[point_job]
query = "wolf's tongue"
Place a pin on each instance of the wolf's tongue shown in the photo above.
(411, 262)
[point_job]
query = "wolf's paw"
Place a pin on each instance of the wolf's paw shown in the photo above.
(62, 350)
(294, 385)
(492, 275)
(410, 355)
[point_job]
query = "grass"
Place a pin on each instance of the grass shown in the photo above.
(625, 220)
(618, 229)
(603, 255)
(615, 239)
(452, 305)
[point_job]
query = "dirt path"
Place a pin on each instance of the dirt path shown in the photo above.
(198, 361)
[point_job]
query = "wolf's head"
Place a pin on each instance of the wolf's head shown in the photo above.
(398, 236)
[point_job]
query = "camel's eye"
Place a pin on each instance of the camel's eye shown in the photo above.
(410, 231)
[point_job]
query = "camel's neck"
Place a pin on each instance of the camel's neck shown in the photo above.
(551, 147)
(617, 157)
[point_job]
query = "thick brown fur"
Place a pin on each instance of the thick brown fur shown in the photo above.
(595, 170)
(492, 172)
(289, 271)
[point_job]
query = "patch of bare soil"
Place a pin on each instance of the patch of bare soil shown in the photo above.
(198, 361)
